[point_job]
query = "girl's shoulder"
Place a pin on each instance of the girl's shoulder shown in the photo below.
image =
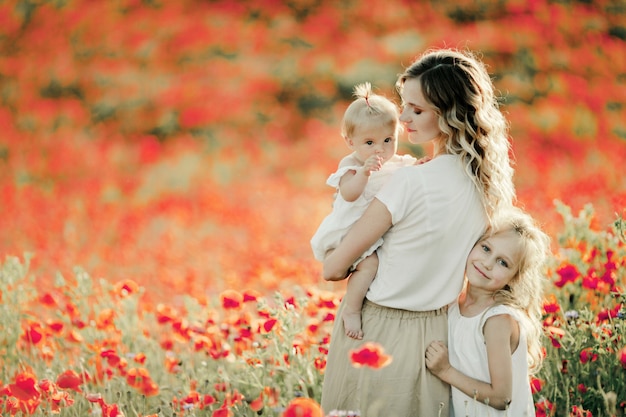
(499, 310)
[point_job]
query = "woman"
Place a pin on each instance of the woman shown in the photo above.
(430, 215)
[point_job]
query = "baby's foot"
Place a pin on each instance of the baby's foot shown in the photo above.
(352, 324)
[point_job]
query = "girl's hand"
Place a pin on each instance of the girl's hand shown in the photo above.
(437, 358)
(373, 163)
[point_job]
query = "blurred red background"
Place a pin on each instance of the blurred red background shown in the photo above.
(185, 145)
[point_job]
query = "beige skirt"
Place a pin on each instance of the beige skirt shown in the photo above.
(404, 388)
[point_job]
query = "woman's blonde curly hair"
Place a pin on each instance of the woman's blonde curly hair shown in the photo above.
(459, 88)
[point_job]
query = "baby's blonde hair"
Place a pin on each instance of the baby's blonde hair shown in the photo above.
(525, 290)
(458, 87)
(369, 109)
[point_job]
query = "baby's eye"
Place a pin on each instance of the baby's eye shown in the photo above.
(389, 139)
(503, 263)
(369, 142)
(485, 248)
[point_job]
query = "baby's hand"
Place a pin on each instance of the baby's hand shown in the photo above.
(373, 163)
(437, 358)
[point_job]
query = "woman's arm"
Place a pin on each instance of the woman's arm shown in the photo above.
(500, 332)
(372, 225)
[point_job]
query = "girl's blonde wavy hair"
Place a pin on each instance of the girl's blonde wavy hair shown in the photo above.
(525, 290)
(459, 88)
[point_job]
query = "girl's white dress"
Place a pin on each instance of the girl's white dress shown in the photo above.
(468, 354)
(335, 226)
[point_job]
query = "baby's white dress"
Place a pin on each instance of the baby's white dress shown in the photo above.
(335, 226)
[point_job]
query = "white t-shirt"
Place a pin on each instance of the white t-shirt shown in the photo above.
(437, 216)
(468, 354)
(345, 213)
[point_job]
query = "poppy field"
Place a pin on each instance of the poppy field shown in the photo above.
(162, 169)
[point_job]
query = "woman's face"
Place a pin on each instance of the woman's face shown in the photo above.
(418, 117)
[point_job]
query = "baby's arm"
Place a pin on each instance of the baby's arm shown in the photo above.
(497, 394)
(353, 182)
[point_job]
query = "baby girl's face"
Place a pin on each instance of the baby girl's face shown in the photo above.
(373, 140)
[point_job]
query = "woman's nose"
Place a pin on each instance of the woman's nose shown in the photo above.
(403, 117)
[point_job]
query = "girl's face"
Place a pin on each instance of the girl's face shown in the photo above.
(494, 261)
(373, 140)
(418, 117)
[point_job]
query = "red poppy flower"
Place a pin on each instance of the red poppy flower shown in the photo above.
(55, 325)
(48, 300)
(74, 336)
(231, 299)
(579, 412)
(251, 295)
(555, 334)
(33, 333)
(222, 412)
(257, 403)
(536, 385)
(567, 273)
(303, 407)
(69, 380)
(207, 400)
(544, 408)
(25, 387)
(165, 313)
(135, 376)
(139, 378)
(320, 364)
(291, 301)
(370, 354)
(587, 354)
(269, 325)
(551, 306)
(105, 319)
(590, 282)
(140, 358)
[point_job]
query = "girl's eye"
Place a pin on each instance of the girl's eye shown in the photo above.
(485, 248)
(503, 263)
(387, 140)
(369, 142)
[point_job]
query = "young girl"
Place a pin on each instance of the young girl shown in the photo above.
(494, 327)
(370, 128)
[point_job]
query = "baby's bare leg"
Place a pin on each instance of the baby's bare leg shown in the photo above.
(358, 283)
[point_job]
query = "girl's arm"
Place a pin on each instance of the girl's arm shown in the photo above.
(353, 182)
(501, 332)
(372, 225)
